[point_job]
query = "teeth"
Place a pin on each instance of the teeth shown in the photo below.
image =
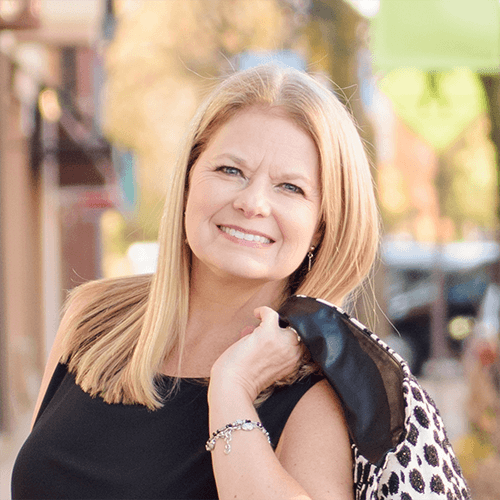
(245, 236)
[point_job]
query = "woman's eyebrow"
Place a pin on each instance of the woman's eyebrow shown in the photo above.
(232, 157)
(284, 176)
(295, 176)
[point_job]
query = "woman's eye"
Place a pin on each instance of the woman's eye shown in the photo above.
(229, 170)
(292, 188)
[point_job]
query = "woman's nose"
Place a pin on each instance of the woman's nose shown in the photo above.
(253, 201)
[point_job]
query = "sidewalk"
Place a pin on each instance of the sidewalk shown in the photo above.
(9, 447)
(446, 384)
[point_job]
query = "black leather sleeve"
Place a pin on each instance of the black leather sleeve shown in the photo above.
(366, 377)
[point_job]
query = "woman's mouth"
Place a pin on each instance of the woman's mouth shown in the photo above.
(245, 236)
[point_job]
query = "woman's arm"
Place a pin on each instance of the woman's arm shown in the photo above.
(314, 447)
(313, 459)
(251, 470)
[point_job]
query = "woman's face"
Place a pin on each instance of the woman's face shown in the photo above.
(254, 198)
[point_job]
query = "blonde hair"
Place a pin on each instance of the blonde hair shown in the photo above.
(118, 341)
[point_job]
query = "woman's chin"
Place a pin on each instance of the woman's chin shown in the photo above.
(248, 273)
(239, 269)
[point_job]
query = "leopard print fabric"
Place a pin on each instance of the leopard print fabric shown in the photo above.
(423, 465)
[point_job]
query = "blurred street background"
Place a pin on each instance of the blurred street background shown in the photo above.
(95, 96)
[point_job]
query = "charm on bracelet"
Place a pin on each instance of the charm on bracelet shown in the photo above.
(226, 433)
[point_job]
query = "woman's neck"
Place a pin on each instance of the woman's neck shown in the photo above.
(220, 313)
(220, 302)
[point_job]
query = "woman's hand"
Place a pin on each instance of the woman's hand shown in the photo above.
(315, 435)
(257, 360)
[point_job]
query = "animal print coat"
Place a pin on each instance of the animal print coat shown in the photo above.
(399, 443)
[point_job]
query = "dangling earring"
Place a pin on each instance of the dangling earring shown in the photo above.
(310, 255)
(183, 221)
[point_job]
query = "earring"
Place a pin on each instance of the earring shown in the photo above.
(310, 255)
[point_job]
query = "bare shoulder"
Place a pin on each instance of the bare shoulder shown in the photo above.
(315, 448)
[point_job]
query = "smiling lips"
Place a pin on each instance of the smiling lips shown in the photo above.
(245, 236)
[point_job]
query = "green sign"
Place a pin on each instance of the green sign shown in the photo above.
(437, 35)
(436, 106)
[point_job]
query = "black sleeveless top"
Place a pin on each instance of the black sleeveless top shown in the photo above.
(84, 448)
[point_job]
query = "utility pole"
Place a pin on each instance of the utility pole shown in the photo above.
(491, 84)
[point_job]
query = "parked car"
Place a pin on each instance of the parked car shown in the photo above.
(411, 288)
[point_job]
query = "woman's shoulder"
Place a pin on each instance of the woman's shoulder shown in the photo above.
(319, 407)
(275, 411)
(307, 391)
(315, 447)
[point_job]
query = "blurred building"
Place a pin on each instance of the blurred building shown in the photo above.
(56, 176)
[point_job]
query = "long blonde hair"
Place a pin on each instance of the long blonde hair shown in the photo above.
(116, 344)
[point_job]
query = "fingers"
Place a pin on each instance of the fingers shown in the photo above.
(266, 314)
(259, 359)
(270, 319)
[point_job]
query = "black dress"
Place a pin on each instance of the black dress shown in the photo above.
(84, 448)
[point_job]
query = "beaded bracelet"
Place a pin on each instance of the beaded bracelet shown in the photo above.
(226, 433)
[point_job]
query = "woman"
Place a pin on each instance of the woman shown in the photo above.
(271, 196)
